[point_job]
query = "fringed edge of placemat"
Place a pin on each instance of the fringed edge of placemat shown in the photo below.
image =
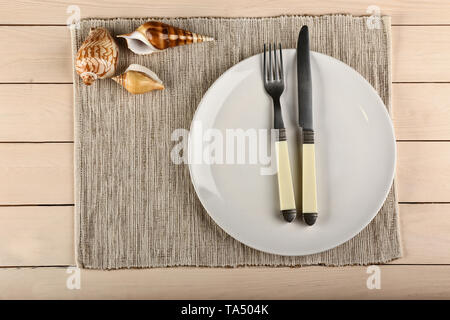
(220, 18)
(76, 151)
(386, 25)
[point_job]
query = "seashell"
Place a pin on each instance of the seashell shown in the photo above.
(138, 79)
(156, 36)
(97, 57)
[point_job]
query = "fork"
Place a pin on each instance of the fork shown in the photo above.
(274, 84)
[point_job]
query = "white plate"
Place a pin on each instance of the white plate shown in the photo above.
(355, 156)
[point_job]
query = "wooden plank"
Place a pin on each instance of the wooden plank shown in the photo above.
(423, 171)
(54, 12)
(43, 112)
(35, 54)
(35, 112)
(397, 282)
(42, 54)
(43, 236)
(43, 173)
(36, 236)
(421, 54)
(425, 236)
(36, 173)
(421, 111)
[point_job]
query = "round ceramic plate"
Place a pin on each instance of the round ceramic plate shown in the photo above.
(355, 155)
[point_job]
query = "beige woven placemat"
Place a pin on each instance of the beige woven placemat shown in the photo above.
(135, 208)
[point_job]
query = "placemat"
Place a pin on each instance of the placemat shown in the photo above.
(135, 208)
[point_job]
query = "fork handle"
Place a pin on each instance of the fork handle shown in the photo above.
(285, 185)
(278, 122)
(309, 190)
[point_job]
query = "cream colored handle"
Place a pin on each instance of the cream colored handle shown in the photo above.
(309, 197)
(285, 185)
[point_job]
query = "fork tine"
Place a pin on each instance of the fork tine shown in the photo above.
(275, 66)
(269, 67)
(264, 65)
(281, 63)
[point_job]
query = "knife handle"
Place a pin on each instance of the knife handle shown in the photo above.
(309, 190)
(285, 185)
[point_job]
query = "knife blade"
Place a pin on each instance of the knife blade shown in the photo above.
(306, 124)
(305, 119)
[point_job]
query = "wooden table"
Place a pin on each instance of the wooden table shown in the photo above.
(36, 159)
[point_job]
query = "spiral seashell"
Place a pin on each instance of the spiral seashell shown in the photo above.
(97, 57)
(155, 36)
(138, 79)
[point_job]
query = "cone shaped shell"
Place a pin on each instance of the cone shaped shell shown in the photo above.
(138, 79)
(154, 36)
(97, 57)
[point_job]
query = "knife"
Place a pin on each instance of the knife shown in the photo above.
(305, 122)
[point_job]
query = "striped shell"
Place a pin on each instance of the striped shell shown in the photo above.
(138, 79)
(97, 57)
(155, 36)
